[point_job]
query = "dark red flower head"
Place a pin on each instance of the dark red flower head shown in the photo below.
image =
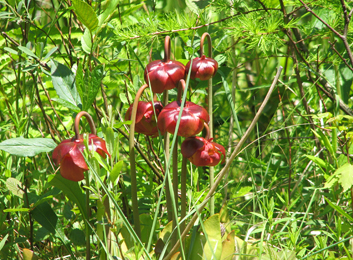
(164, 75)
(202, 68)
(145, 120)
(68, 155)
(191, 122)
(202, 152)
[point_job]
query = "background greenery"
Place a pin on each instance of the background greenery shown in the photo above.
(287, 195)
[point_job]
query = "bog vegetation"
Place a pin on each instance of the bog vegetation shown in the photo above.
(250, 159)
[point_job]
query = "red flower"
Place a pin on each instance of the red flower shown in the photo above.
(164, 75)
(145, 120)
(191, 122)
(202, 68)
(202, 152)
(68, 155)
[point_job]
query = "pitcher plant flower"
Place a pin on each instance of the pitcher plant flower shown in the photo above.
(164, 74)
(192, 119)
(145, 118)
(68, 154)
(202, 68)
(202, 152)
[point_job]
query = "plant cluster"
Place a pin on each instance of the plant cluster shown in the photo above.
(241, 152)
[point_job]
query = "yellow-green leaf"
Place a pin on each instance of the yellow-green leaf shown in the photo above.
(85, 14)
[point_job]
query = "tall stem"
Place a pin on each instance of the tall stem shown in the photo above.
(183, 193)
(88, 242)
(135, 209)
(166, 151)
(210, 110)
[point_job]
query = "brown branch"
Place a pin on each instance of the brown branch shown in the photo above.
(343, 59)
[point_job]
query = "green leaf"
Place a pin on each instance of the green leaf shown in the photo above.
(14, 185)
(50, 53)
(110, 8)
(346, 177)
(3, 241)
(192, 6)
(27, 147)
(209, 244)
(64, 83)
(45, 216)
(17, 210)
(89, 85)
(72, 190)
(339, 210)
(85, 14)
(110, 140)
(86, 42)
(29, 255)
(27, 51)
(67, 104)
(116, 171)
(77, 237)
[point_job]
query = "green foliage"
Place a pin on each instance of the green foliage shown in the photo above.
(287, 194)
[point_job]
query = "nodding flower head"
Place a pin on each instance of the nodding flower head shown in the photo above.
(202, 152)
(202, 68)
(68, 154)
(164, 75)
(191, 122)
(145, 117)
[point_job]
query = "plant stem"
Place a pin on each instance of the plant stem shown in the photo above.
(135, 209)
(88, 244)
(210, 110)
(183, 193)
(226, 167)
(166, 151)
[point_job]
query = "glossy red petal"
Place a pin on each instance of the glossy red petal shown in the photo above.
(61, 150)
(69, 170)
(76, 155)
(191, 145)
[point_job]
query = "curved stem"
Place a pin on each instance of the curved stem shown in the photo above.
(209, 44)
(181, 89)
(135, 209)
(77, 123)
(166, 49)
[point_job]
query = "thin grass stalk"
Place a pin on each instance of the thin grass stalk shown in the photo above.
(231, 123)
(226, 167)
(210, 108)
(135, 209)
(166, 151)
(183, 193)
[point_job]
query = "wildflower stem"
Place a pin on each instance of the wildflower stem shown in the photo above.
(135, 209)
(77, 123)
(210, 110)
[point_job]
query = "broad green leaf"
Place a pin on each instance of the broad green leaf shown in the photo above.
(27, 147)
(72, 190)
(209, 244)
(14, 185)
(228, 247)
(11, 50)
(29, 255)
(45, 216)
(64, 83)
(77, 237)
(85, 14)
(110, 141)
(192, 6)
(110, 8)
(67, 104)
(346, 176)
